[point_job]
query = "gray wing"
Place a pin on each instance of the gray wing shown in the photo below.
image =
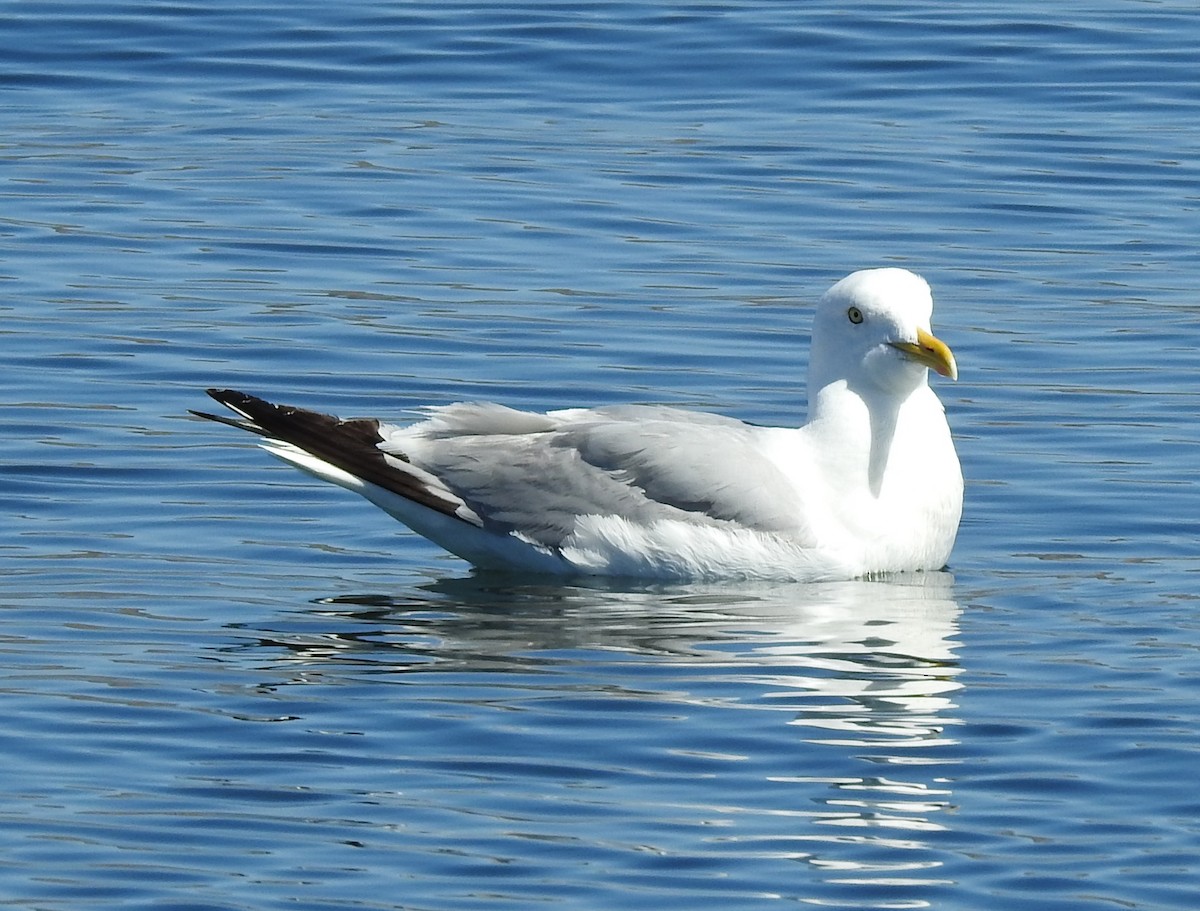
(534, 474)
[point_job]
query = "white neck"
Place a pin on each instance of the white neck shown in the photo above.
(858, 428)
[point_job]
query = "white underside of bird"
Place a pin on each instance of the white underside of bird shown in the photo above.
(869, 485)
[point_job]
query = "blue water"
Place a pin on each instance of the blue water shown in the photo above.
(225, 686)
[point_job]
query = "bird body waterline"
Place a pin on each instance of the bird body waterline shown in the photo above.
(869, 485)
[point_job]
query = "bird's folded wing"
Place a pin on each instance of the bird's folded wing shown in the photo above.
(535, 475)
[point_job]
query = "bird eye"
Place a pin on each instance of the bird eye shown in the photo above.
(854, 315)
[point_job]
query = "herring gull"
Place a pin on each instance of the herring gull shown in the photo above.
(869, 485)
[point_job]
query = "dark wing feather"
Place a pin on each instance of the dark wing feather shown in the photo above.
(351, 445)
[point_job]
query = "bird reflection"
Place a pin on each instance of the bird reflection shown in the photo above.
(864, 674)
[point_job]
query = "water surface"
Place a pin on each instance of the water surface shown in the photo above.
(226, 686)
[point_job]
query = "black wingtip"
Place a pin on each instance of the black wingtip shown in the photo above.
(321, 434)
(253, 414)
(232, 398)
(266, 417)
(351, 445)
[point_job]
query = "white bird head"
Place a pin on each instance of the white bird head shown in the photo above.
(873, 327)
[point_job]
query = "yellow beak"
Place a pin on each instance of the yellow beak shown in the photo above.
(930, 351)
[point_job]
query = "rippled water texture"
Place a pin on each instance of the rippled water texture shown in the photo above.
(226, 686)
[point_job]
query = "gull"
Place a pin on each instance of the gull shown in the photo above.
(869, 485)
